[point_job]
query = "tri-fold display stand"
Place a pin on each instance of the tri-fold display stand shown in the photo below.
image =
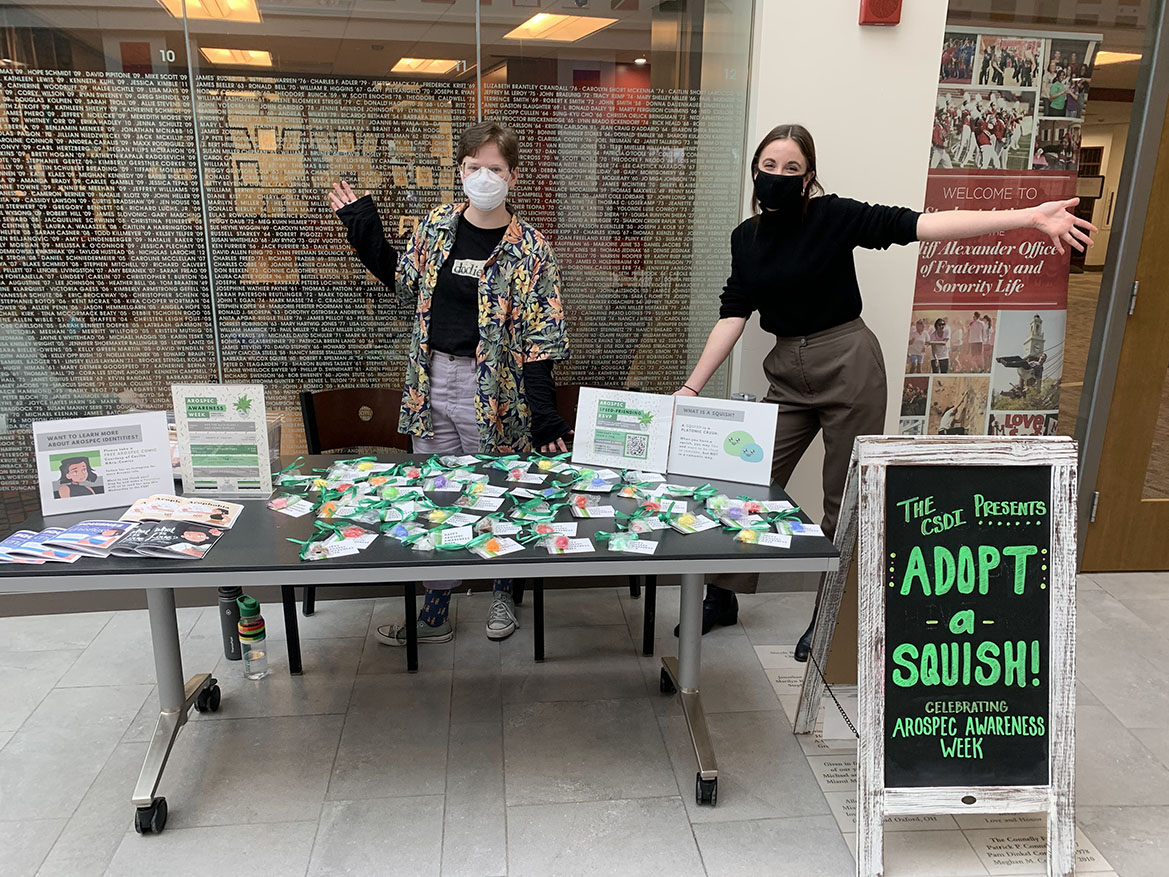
(967, 576)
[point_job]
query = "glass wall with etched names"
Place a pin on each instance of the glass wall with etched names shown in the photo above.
(164, 164)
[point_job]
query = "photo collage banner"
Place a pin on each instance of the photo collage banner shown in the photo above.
(986, 336)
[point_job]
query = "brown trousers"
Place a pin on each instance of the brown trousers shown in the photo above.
(833, 381)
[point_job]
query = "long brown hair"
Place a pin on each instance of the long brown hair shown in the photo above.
(803, 139)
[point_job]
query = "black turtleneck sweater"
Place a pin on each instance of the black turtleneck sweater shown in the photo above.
(798, 272)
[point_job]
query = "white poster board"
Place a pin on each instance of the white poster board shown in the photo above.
(623, 430)
(222, 432)
(724, 438)
(90, 463)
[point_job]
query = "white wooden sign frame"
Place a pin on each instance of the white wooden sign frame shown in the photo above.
(872, 455)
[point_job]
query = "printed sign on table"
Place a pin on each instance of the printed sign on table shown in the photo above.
(92, 463)
(223, 439)
(733, 439)
(622, 429)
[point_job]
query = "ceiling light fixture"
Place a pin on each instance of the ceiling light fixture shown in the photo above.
(225, 10)
(557, 28)
(425, 66)
(1116, 57)
(639, 61)
(237, 57)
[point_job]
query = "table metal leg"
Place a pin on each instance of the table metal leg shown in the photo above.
(538, 620)
(291, 629)
(410, 598)
(174, 699)
(683, 674)
(649, 615)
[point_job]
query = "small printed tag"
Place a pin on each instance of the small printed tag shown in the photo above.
(778, 505)
(645, 477)
(454, 536)
(674, 506)
(294, 507)
(496, 490)
(639, 546)
(329, 548)
(798, 528)
(460, 519)
(480, 504)
(497, 548)
(596, 511)
(689, 523)
(774, 540)
(504, 528)
(520, 477)
(565, 545)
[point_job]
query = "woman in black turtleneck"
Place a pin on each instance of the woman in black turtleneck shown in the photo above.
(793, 263)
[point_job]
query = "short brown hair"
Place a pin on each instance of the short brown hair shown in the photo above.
(478, 136)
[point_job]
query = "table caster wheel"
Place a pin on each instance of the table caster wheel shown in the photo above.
(152, 819)
(705, 791)
(666, 684)
(208, 700)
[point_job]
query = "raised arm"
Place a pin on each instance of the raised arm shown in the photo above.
(1053, 218)
(723, 336)
(364, 230)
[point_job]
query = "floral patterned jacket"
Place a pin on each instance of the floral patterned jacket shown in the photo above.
(520, 320)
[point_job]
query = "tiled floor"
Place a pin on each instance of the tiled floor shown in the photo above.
(485, 763)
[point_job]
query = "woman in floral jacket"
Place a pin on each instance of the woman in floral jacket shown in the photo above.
(488, 325)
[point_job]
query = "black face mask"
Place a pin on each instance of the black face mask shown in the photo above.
(780, 192)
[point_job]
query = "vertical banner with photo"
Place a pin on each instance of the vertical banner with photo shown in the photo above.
(986, 336)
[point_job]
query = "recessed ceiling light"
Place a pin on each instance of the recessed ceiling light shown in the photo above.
(558, 28)
(1116, 57)
(227, 10)
(639, 61)
(425, 66)
(237, 57)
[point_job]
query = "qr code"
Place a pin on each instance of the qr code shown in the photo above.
(637, 446)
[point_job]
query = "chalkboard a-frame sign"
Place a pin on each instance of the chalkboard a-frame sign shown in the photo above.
(967, 633)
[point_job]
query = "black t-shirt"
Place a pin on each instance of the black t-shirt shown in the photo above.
(798, 272)
(454, 307)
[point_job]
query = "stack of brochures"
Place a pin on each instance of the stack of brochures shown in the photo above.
(158, 526)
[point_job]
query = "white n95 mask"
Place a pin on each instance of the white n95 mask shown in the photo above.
(485, 190)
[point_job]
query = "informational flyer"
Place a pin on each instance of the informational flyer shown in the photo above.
(733, 440)
(90, 463)
(223, 439)
(622, 429)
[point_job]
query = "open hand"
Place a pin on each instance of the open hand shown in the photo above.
(557, 446)
(341, 195)
(1055, 219)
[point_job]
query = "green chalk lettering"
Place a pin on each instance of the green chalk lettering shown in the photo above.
(905, 674)
(988, 654)
(965, 570)
(988, 559)
(929, 665)
(915, 569)
(1015, 661)
(1020, 553)
(962, 622)
(944, 570)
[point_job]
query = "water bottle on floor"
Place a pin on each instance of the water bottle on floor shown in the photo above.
(252, 640)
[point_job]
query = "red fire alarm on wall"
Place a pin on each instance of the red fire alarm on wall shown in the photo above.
(881, 12)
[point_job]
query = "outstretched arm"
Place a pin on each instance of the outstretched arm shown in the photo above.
(1053, 218)
(718, 347)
